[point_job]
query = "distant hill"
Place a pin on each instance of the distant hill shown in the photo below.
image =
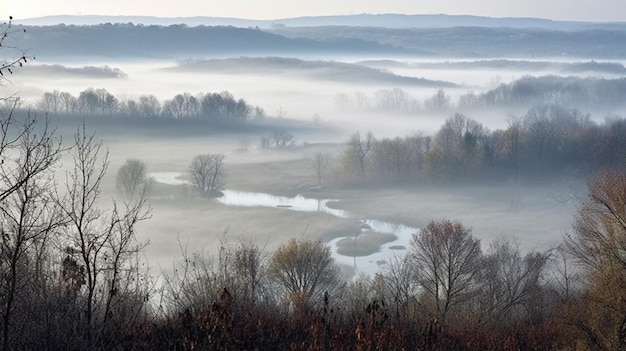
(182, 41)
(477, 42)
(90, 20)
(614, 68)
(178, 41)
(324, 70)
(358, 20)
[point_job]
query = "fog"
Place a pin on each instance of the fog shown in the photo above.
(330, 187)
(305, 89)
(294, 92)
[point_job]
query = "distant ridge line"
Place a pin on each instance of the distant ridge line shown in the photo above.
(388, 20)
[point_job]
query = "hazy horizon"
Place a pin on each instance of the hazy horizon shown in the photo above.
(558, 10)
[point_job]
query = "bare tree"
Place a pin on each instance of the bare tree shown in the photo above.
(28, 215)
(192, 284)
(69, 102)
(207, 174)
(395, 100)
(320, 163)
(88, 101)
(305, 270)
(513, 143)
(359, 149)
(29, 150)
(542, 137)
(418, 147)
(391, 157)
(132, 178)
(510, 281)
(15, 133)
(129, 108)
(14, 56)
(448, 261)
(198, 279)
(400, 286)
(250, 268)
(566, 277)
(50, 102)
(101, 242)
(258, 113)
(182, 106)
(149, 106)
(457, 132)
(438, 102)
(282, 139)
(107, 102)
(22, 136)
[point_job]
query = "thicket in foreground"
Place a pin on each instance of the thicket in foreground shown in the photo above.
(71, 273)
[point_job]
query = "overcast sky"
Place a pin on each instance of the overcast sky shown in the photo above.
(579, 10)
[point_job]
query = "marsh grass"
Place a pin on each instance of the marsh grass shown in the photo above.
(528, 213)
(537, 219)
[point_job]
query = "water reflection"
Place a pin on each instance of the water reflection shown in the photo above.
(296, 203)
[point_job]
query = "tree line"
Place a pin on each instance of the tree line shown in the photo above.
(547, 140)
(520, 93)
(91, 102)
(551, 89)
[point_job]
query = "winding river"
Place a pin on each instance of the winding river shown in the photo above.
(369, 264)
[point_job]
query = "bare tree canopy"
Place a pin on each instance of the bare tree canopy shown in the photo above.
(358, 151)
(207, 173)
(199, 279)
(280, 139)
(101, 242)
(320, 163)
(28, 213)
(510, 280)
(132, 178)
(305, 270)
(448, 262)
(15, 57)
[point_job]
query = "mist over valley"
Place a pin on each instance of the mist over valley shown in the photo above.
(216, 149)
(322, 94)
